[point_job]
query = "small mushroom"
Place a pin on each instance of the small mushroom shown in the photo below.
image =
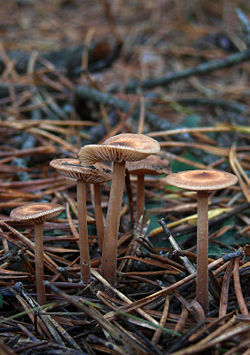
(202, 181)
(152, 165)
(37, 213)
(71, 168)
(118, 149)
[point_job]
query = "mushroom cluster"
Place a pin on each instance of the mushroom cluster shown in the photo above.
(118, 149)
(137, 153)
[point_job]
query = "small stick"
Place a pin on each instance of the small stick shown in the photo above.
(142, 115)
(182, 320)
(238, 290)
(157, 333)
(122, 297)
(201, 69)
(225, 289)
(189, 266)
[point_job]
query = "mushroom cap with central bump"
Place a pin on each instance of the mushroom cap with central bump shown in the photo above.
(119, 148)
(37, 212)
(72, 169)
(201, 180)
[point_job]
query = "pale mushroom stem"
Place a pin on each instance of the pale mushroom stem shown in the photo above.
(39, 263)
(83, 232)
(98, 214)
(108, 267)
(202, 250)
(140, 198)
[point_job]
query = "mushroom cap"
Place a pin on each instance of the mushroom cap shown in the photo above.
(72, 169)
(152, 165)
(37, 212)
(201, 180)
(119, 148)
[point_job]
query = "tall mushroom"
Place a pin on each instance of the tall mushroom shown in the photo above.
(118, 149)
(37, 213)
(72, 169)
(152, 165)
(202, 181)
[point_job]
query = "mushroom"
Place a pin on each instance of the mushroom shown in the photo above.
(202, 181)
(71, 168)
(37, 213)
(152, 165)
(118, 149)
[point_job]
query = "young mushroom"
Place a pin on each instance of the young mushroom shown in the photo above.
(72, 169)
(152, 165)
(118, 149)
(202, 181)
(37, 213)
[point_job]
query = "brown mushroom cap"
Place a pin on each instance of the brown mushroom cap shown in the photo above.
(152, 165)
(71, 168)
(37, 212)
(119, 148)
(201, 180)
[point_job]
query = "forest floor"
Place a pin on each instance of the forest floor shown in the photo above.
(78, 72)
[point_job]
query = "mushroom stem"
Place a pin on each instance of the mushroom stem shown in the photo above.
(130, 197)
(98, 214)
(108, 267)
(83, 232)
(202, 250)
(40, 288)
(140, 198)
